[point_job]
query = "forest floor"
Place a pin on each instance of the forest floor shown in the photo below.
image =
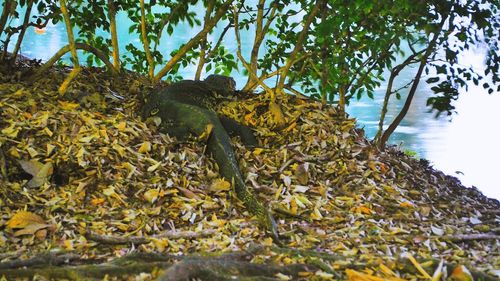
(89, 191)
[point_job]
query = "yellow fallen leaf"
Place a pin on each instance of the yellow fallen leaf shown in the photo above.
(418, 266)
(49, 149)
(79, 156)
(160, 244)
(48, 132)
(145, 147)
(302, 173)
(118, 148)
(282, 277)
(267, 241)
(68, 105)
(131, 169)
(323, 275)
(24, 218)
(316, 214)
(406, 204)
(14, 152)
(121, 126)
(188, 193)
(32, 152)
(220, 185)
(386, 270)
(248, 119)
(461, 273)
(290, 127)
(362, 209)
(257, 151)
(151, 195)
(154, 167)
(206, 133)
(29, 224)
(353, 275)
(11, 131)
(97, 201)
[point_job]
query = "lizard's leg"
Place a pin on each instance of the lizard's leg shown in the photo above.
(179, 131)
(233, 128)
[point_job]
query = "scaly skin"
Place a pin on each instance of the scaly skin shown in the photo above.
(186, 108)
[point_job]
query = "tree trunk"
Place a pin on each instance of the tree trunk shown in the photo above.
(114, 35)
(7, 7)
(383, 112)
(145, 42)
(203, 51)
(74, 56)
(298, 46)
(413, 89)
(26, 21)
(394, 73)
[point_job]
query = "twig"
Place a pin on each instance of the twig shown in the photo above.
(470, 237)
(114, 240)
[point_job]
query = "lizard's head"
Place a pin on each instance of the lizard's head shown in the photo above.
(223, 85)
(150, 106)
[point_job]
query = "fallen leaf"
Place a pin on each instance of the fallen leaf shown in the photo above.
(39, 171)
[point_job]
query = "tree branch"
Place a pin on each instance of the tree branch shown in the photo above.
(145, 42)
(195, 40)
(80, 46)
(298, 45)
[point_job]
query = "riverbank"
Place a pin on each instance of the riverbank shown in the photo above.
(104, 184)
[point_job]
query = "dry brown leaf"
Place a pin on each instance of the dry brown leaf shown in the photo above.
(40, 172)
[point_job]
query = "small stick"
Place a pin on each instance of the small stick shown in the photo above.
(115, 240)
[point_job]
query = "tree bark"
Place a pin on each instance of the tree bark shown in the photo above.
(114, 35)
(145, 42)
(247, 66)
(74, 56)
(394, 73)
(203, 51)
(7, 7)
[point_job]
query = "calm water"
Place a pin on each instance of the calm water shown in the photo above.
(468, 143)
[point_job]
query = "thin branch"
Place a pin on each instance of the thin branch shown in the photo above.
(71, 39)
(114, 36)
(247, 66)
(261, 30)
(195, 40)
(202, 58)
(263, 77)
(298, 45)
(423, 61)
(470, 237)
(116, 240)
(145, 42)
(7, 8)
(394, 73)
(80, 46)
(27, 16)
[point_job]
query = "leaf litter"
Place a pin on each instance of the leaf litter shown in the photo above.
(86, 163)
